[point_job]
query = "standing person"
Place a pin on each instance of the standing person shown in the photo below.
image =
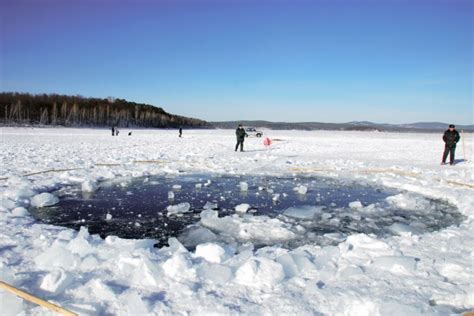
(450, 137)
(180, 131)
(113, 130)
(116, 131)
(241, 134)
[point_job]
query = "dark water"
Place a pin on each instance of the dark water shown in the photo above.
(138, 206)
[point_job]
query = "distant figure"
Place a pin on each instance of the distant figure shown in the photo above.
(267, 142)
(451, 138)
(116, 131)
(241, 134)
(180, 131)
(129, 133)
(113, 130)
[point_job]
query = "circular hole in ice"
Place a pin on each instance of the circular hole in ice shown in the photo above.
(284, 211)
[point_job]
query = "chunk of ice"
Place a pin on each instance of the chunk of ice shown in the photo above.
(303, 212)
(44, 199)
(301, 189)
(178, 208)
(89, 186)
(243, 186)
(260, 273)
(211, 252)
(356, 205)
(242, 208)
(56, 281)
(20, 212)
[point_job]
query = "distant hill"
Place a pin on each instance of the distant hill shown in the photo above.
(350, 126)
(55, 109)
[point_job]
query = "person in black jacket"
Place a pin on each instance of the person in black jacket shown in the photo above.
(451, 138)
(241, 134)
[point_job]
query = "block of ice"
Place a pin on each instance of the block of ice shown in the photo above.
(20, 212)
(258, 229)
(210, 206)
(89, 186)
(57, 256)
(133, 304)
(56, 281)
(177, 187)
(242, 208)
(243, 186)
(303, 212)
(108, 217)
(179, 266)
(407, 201)
(178, 208)
(216, 273)
(301, 189)
(80, 245)
(44, 199)
(170, 195)
(260, 273)
(211, 252)
(195, 236)
(399, 228)
(356, 205)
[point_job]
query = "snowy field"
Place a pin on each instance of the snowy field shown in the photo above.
(406, 274)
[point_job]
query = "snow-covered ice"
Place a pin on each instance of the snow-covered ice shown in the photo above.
(229, 269)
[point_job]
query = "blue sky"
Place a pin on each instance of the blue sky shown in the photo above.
(394, 61)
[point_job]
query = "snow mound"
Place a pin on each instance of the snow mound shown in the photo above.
(260, 273)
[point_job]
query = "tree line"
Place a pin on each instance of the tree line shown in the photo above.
(55, 109)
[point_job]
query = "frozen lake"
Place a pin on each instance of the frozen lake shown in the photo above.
(383, 237)
(313, 210)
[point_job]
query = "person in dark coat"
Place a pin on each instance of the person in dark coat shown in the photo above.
(180, 131)
(451, 138)
(241, 134)
(113, 130)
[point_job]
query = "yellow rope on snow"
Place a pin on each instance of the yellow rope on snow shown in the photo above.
(148, 161)
(36, 300)
(97, 165)
(399, 172)
(467, 185)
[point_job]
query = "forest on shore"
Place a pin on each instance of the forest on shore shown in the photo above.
(63, 110)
